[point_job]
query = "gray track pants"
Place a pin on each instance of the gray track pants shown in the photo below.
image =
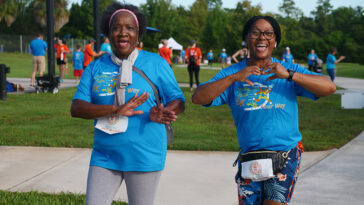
(102, 185)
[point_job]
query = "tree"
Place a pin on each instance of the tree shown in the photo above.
(9, 11)
(61, 14)
(322, 17)
(81, 18)
(288, 7)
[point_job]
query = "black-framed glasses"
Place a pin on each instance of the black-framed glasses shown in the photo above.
(254, 34)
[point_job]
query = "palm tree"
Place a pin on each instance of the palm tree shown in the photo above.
(61, 14)
(9, 11)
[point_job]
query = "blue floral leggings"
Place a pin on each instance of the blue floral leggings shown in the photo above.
(279, 188)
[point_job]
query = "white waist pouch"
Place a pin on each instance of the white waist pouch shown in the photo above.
(257, 170)
(112, 124)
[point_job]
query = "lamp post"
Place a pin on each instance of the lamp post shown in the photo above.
(96, 13)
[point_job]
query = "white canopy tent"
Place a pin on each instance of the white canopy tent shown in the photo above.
(173, 43)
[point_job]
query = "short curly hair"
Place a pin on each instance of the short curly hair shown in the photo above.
(116, 6)
(272, 22)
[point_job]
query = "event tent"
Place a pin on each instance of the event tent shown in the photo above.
(175, 46)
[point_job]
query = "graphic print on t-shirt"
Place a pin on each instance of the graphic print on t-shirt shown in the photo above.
(254, 98)
(105, 84)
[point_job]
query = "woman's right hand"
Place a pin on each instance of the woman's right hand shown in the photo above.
(243, 74)
(128, 108)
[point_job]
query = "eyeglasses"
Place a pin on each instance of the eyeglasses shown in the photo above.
(256, 34)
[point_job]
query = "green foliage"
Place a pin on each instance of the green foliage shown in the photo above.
(215, 27)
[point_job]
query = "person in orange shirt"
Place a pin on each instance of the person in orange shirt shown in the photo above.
(62, 49)
(89, 53)
(166, 53)
(193, 56)
(140, 46)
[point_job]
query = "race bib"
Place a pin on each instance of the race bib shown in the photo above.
(112, 124)
(257, 170)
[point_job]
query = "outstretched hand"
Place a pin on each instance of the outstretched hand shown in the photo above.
(162, 114)
(128, 108)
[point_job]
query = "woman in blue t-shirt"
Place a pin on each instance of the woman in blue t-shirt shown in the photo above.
(330, 63)
(130, 141)
(261, 92)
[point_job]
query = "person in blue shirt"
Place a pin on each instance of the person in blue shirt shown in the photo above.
(330, 63)
(210, 57)
(38, 47)
(182, 56)
(130, 141)
(311, 60)
(106, 47)
(262, 94)
(77, 61)
(222, 58)
(287, 56)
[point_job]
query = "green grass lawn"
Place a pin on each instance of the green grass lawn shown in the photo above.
(36, 198)
(44, 120)
(21, 66)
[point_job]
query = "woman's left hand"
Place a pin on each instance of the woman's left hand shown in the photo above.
(162, 115)
(276, 68)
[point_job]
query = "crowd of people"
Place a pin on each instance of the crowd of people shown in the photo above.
(120, 91)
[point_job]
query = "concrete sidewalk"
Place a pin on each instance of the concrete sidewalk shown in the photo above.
(190, 177)
(193, 178)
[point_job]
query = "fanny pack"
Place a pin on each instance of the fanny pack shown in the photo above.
(261, 165)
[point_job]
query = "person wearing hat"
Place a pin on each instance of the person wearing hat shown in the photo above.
(244, 53)
(222, 58)
(89, 52)
(287, 56)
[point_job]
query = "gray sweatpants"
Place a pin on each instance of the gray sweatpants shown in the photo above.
(102, 185)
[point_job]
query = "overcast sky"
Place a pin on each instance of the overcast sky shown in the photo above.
(268, 5)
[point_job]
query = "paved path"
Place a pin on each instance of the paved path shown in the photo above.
(193, 178)
(190, 177)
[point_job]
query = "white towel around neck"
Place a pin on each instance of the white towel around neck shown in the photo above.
(117, 123)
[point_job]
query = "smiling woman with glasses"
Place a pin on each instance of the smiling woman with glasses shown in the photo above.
(261, 92)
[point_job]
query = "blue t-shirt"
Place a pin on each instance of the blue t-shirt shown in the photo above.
(288, 58)
(143, 146)
(106, 47)
(223, 55)
(311, 58)
(210, 55)
(266, 115)
(330, 61)
(183, 52)
(38, 47)
(78, 59)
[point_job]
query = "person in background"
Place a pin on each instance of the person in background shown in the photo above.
(89, 53)
(311, 60)
(62, 50)
(262, 94)
(77, 61)
(330, 63)
(140, 46)
(222, 58)
(106, 47)
(38, 47)
(244, 53)
(228, 61)
(210, 57)
(287, 56)
(193, 57)
(166, 52)
(130, 139)
(182, 56)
